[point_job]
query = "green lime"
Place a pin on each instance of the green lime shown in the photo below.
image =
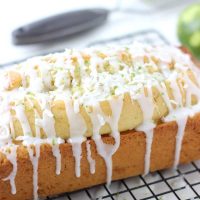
(189, 28)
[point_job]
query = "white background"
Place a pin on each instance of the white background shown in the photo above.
(14, 13)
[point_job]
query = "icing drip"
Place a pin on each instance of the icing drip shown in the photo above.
(37, 126)
(21, 116)
(57, 155)
(89, 158)
(77, 128)
(181, 120)
(12, 157)
(176, 90)
(47, 121)
(147, 128)
(36, 117)
(163, 90)
(77, 124)
(180, 116)
(147, 106)
(77, 151)
(106, 151)
(35, 162)
(56, 152)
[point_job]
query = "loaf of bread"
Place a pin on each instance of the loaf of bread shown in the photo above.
(80, 118)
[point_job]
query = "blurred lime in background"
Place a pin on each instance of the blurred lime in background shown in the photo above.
(189, 29)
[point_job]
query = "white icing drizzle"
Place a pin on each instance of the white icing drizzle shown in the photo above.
(37, 126)
(57, 155)
(35, 162)
(89, 158)
(147, 106)
(181, 121)
(76, 143)
(180, 116)
(77, 128)
(47, 121)
(163, 90)
(12, 157)
(176, 90)
(36, 117)
(21, 116)
(106, 151)
(77, 124)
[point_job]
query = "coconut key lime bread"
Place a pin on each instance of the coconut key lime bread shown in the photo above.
(84, 117)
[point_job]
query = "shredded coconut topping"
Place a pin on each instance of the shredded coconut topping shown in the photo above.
(97, 74)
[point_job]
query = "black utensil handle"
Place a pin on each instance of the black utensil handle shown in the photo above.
(59, 26)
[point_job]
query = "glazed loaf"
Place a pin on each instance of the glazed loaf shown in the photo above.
(69, 119)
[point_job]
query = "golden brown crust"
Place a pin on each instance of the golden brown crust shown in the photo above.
(132, 145)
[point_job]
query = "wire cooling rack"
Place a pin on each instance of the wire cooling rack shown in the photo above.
(180, 184)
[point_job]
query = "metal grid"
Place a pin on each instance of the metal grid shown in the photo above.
(180, 184)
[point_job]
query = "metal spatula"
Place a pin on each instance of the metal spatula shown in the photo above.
(59, 26)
